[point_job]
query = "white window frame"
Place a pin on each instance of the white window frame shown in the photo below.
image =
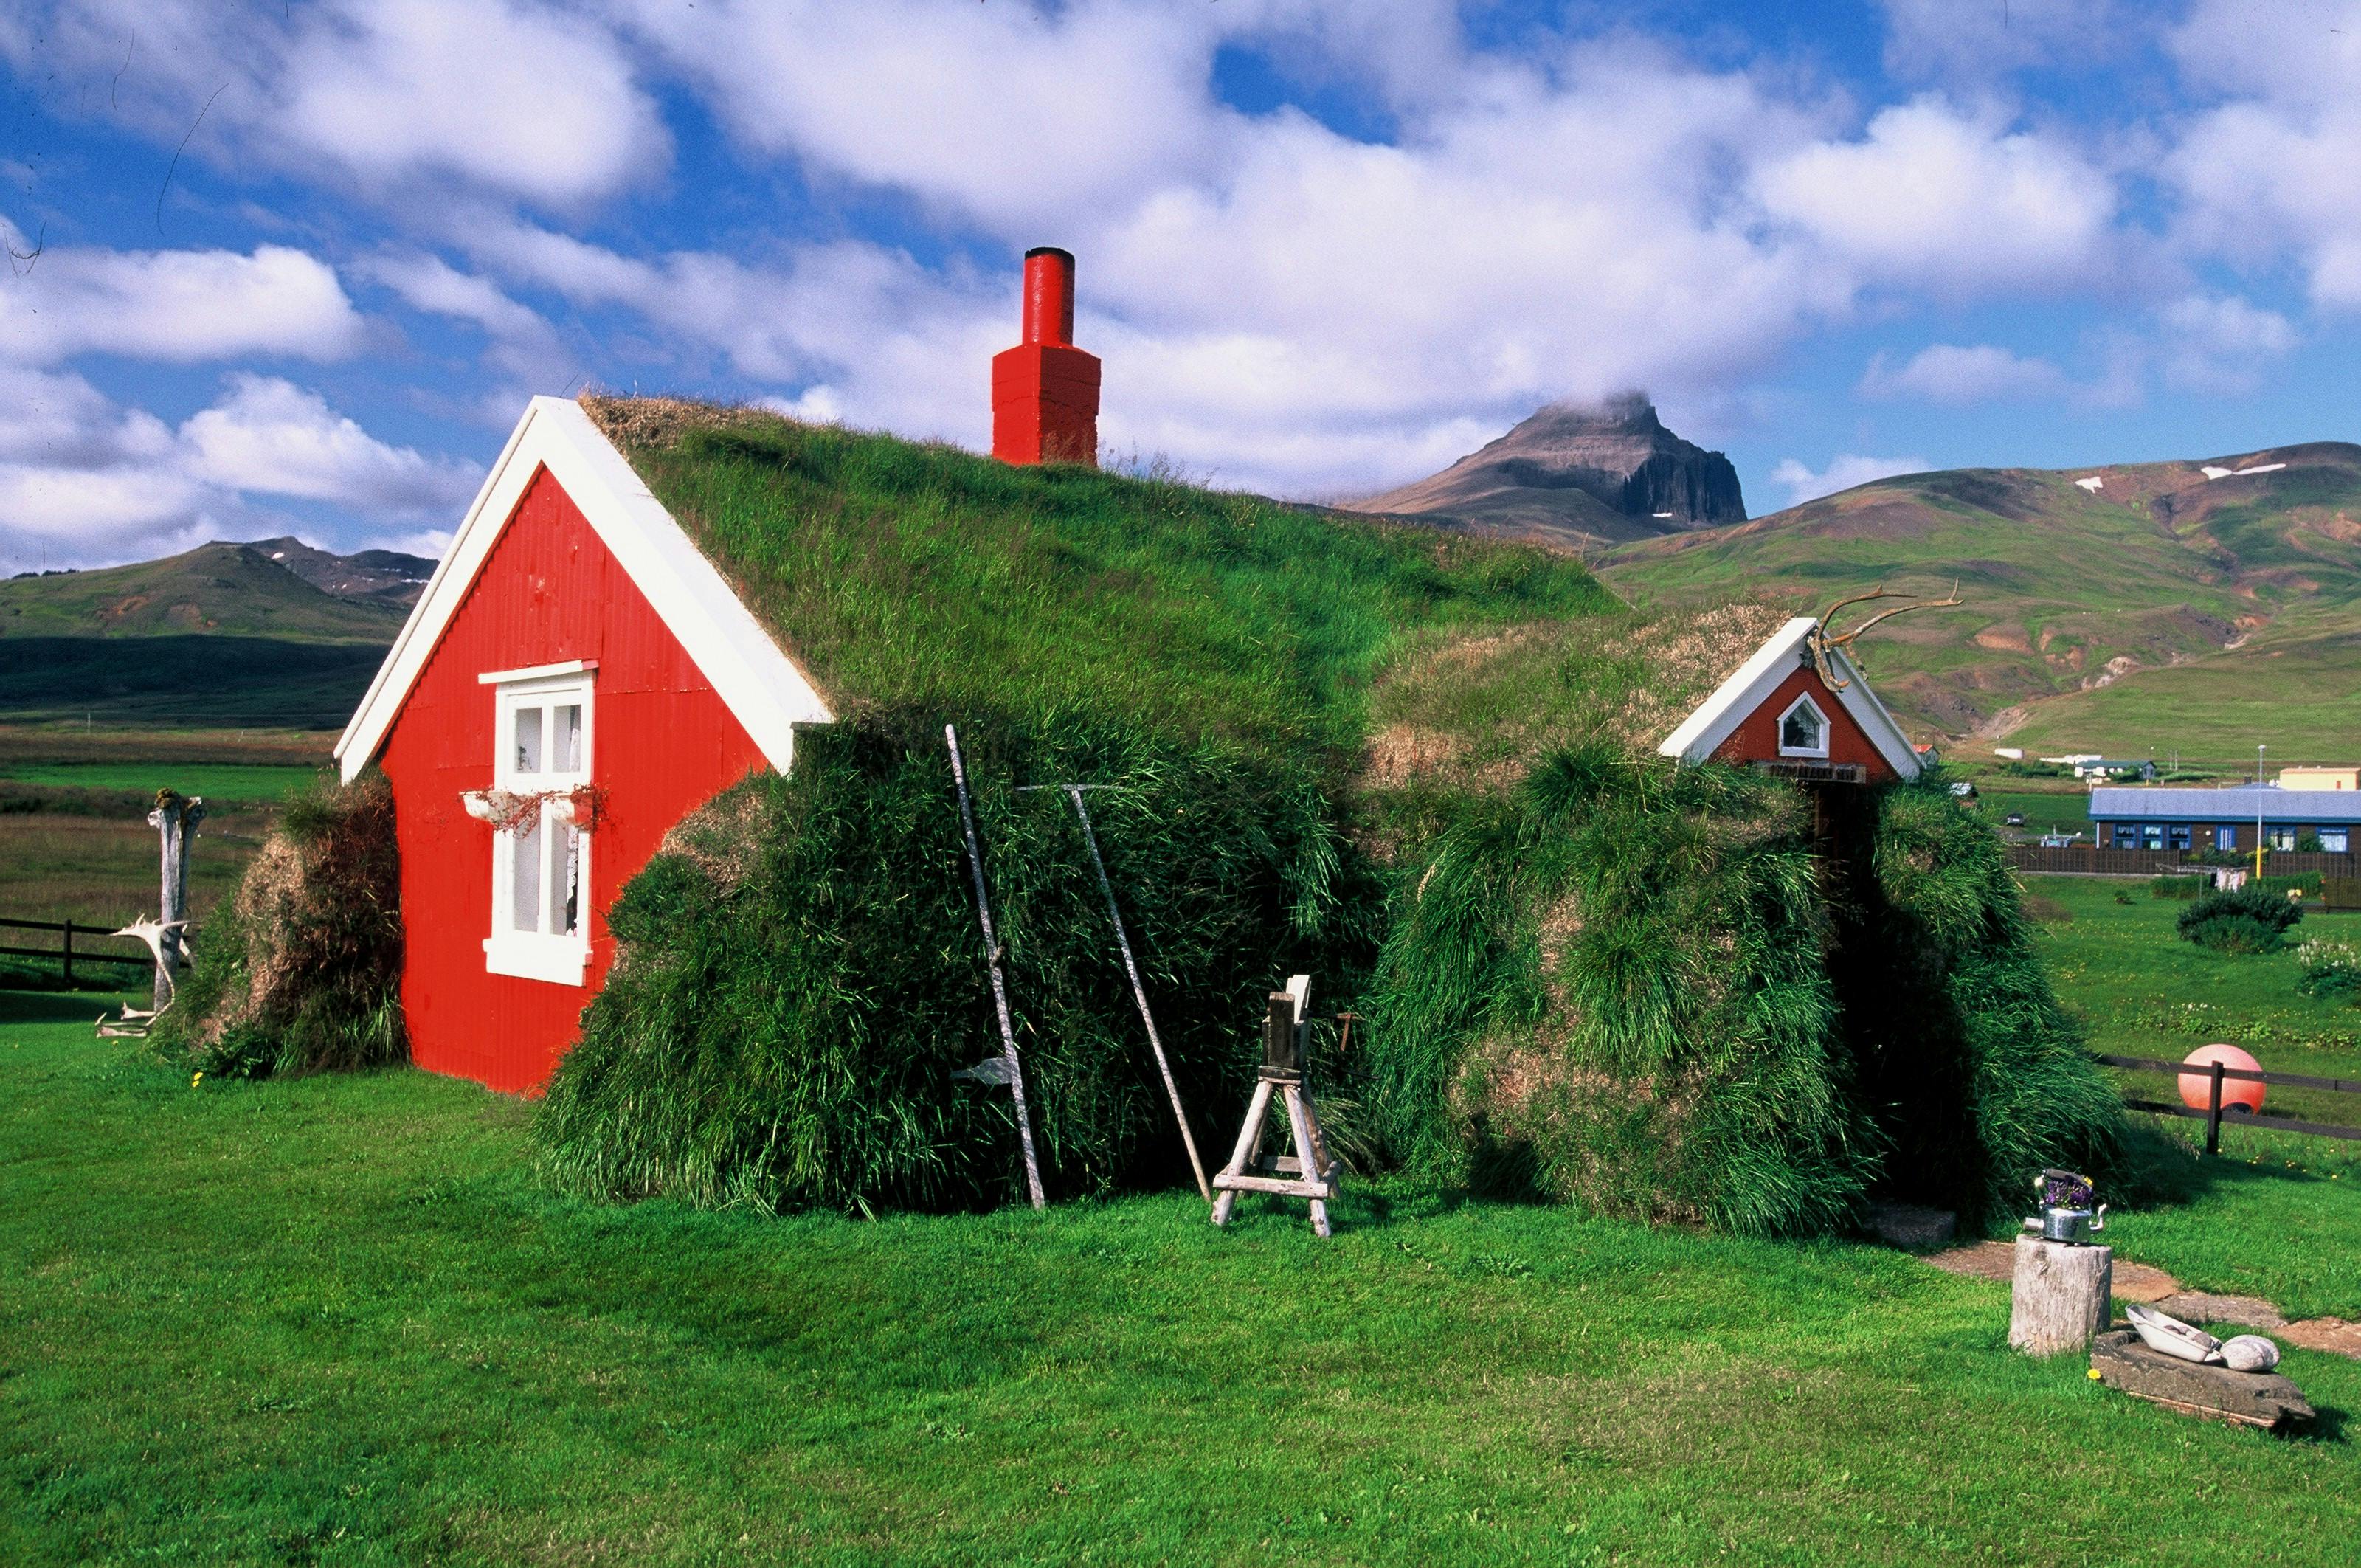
(1779, 734)
(558, 958)
(2344, 837)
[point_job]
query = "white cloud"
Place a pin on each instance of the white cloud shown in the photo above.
(1842, 473)
(513, 97)
(1949, 373)
(2268, 172)
(2221, 345)
(524, 352)
(391, 98)
(1936, 200)
(272, 437)
(173, 305)
(86, 481)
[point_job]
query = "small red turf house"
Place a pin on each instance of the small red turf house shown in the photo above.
(576, 650)
(1800, 707)
(575, 679)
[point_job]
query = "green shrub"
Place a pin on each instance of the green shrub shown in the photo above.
(800, 970)
(2179, 885)
(2248, 919)
(300, 972)
(2329, 966)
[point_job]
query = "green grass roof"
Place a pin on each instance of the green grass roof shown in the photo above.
(904, 573)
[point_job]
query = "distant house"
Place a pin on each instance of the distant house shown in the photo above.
(2319, 778)
(2196, 819)
(1779, 712)
(1931, 755)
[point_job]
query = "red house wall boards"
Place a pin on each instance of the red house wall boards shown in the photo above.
(551, 592)
(572, 636)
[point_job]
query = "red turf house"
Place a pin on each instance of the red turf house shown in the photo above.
(1777, 711)
(573, 636)
(575, 679)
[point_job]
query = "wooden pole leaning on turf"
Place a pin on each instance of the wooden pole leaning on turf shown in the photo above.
(175, 820)
(1138, 992)
(1005, 1068)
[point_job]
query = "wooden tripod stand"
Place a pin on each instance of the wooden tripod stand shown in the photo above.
(1308, 1172)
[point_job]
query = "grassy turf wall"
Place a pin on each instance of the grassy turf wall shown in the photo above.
(1658, 992)
(801, 970)
(301, 971)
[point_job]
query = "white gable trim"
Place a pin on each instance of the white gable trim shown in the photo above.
(1718, 718)
(759, 685)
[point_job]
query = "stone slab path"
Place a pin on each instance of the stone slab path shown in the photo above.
(1996, 1261)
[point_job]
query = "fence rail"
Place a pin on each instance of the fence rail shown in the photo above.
(2091, 859)
(66, 953)
(2219, 1074)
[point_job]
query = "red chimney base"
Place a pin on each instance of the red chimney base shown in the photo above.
(1045, 404)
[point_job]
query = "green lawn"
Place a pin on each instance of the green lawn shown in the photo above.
(222, 781)
(335, 1320)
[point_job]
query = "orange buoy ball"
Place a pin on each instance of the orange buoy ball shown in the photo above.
(2197, 1088)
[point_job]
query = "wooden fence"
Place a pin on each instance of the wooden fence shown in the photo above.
(2088, 859)
(2213, 1114)
(67, 954)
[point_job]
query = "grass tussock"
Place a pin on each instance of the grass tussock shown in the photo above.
(801, 970)
(301, 971)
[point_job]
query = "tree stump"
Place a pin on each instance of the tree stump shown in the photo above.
(2062, 1297)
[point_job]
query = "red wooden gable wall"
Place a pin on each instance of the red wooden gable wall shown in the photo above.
(661, 744)
(1756, 739)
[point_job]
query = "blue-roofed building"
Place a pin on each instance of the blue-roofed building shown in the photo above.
(2193, 819)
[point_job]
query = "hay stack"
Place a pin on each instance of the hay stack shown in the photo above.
(301, 971)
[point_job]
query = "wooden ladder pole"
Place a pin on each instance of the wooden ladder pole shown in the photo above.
(1139, 993)
(999, 989)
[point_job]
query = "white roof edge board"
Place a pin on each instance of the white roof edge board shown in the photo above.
(1715, 718)
(759, 685)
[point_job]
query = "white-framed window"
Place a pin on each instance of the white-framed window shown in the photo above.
(2225, 838)
(2282, 837)
(1804, 730)
(542, 732)
(2335, 840)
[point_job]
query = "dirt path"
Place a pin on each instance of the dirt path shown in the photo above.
(1996, 1261)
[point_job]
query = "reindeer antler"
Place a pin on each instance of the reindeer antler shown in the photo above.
(1822, 642)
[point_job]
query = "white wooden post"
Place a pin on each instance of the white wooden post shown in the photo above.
(175, 820)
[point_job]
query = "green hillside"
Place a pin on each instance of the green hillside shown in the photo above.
(2159, 610)
(230, 589)
(222, 636)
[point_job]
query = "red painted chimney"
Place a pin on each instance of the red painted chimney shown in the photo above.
(1045, 391)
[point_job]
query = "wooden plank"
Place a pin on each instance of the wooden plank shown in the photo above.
(81, 956)
(2258, 1124)
(2248, 1398)
(1286, 1187)
(2284, 1080)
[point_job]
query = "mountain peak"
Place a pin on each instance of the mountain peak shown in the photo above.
(1574, 474)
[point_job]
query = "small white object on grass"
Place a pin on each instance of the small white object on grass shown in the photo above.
(2249, 1353)
(2094, 484)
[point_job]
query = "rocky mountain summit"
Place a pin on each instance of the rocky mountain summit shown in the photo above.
(1576, 474)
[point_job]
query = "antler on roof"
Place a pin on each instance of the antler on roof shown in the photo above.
(1822, 642)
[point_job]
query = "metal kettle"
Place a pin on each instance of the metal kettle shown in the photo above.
(2066, 1213)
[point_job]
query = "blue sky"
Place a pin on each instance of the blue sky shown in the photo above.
(294, 265)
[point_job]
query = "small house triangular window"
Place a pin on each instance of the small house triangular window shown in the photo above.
(1804, 730)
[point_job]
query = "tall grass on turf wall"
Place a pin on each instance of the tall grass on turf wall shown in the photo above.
(301, 971)
(1608, 989)
(1642, 990)
(800, 971)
